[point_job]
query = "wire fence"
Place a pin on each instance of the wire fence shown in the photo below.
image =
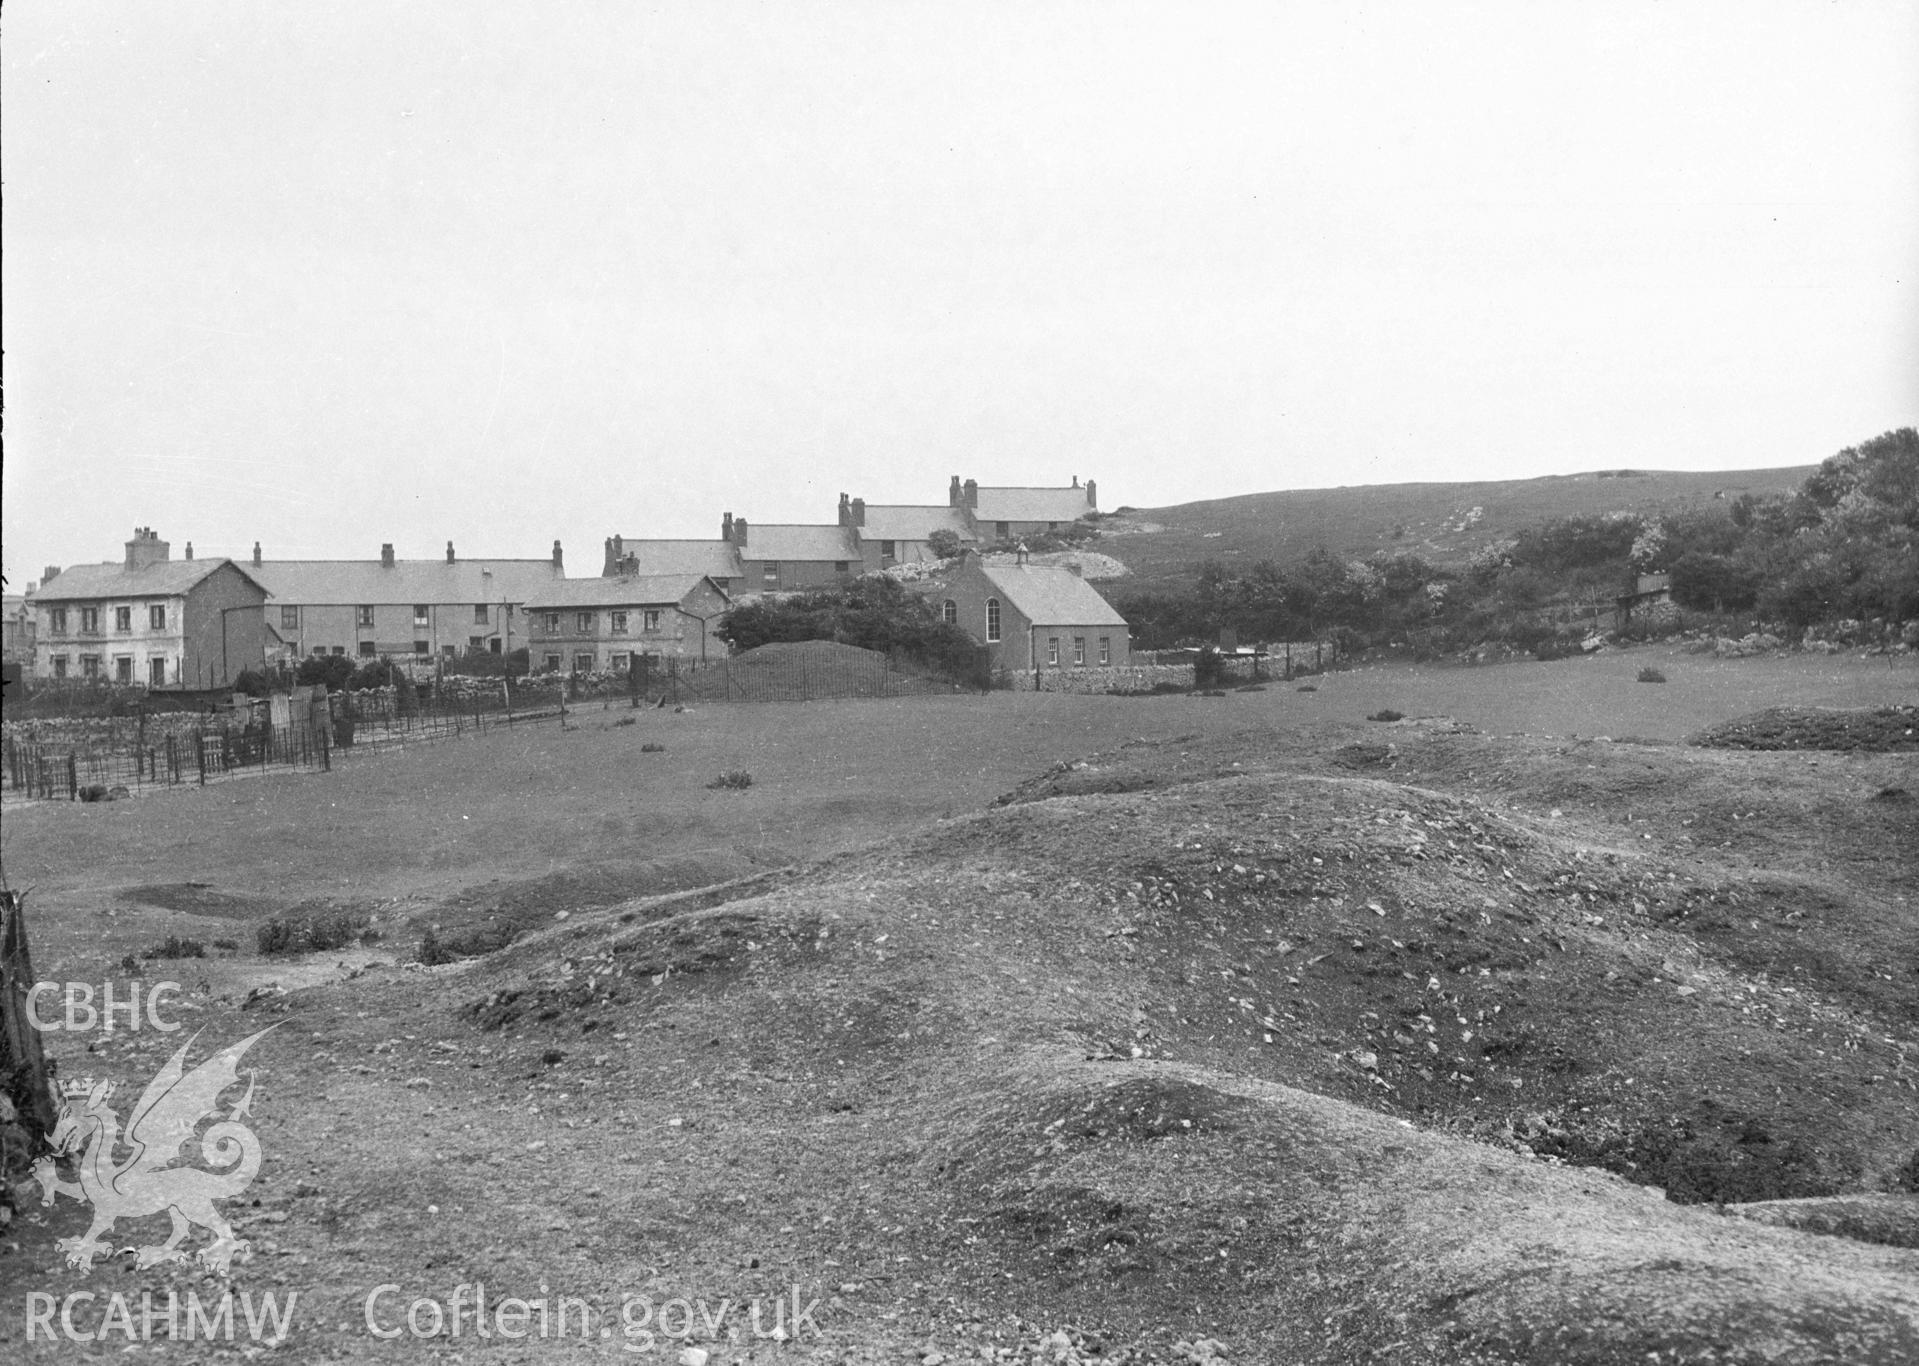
(806, 671)
(109, 760)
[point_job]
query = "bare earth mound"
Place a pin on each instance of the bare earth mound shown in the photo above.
(1339, 1045)
(1880, 729)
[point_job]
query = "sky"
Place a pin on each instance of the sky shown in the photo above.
(327, 276)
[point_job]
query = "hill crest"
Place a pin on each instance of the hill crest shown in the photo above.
(1440, 522)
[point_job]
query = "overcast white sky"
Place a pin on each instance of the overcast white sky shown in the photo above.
(330, 275)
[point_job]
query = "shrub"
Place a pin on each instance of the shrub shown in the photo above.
(652, 747)
(432, 952)
(1387, 714)
(1651, 676)
(309, 934)
(944, 543)
(332, 671)
(1307, 687)
(733, 778)
(1209, 670)
(176, 947)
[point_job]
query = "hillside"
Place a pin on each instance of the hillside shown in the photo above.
(1442, 523)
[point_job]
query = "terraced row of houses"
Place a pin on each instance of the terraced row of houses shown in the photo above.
(188, 624)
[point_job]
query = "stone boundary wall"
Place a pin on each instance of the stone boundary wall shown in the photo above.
(1110, 679)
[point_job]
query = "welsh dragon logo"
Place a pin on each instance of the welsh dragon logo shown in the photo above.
(170, 1110)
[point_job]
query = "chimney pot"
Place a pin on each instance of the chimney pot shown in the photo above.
(726, 527)
(953, 494)
(256, 554)
(449, 552)
(558, 561)
(189, 550)
(846, 512)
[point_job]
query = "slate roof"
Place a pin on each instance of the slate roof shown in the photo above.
(1047, 596)
(785, 541)
(716, 559)
(370, 583)
(168, 578)
(1031, 505)
(897, 522)
(646, 590)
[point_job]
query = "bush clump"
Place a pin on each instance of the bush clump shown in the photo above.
(310, 934)
(176, 947)
(735, 778)
(652, 747)
(1387, 714)
(1650, 675)
(870, 613)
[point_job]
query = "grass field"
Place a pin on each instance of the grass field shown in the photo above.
(1241, 1018)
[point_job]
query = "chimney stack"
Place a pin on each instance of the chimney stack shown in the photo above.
(145, 548)
(558, 561)
(189, 550)
(859, 512)
(953, 493)
(1076, 481)
(726, 527)
(52, 573)
(1092, 494)
(386, 555)
(846, 513)
(449, 552)
(256, 554)
(972, 493)
(739, 531)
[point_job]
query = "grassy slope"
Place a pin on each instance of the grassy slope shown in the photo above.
(1359, 520)
(904, 1077)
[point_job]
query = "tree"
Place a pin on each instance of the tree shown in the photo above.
(1712, 582)
(330, 671)
(944, 543)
